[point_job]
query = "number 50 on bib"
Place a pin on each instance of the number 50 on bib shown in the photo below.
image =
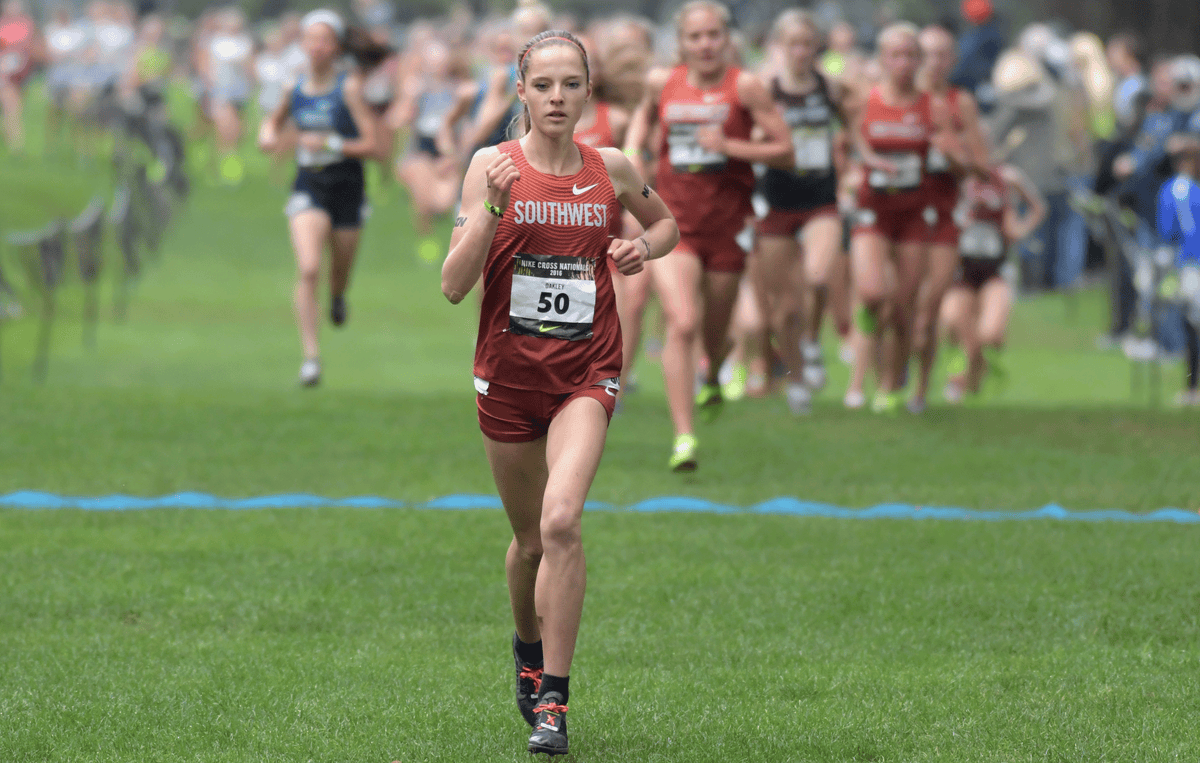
(553, 297)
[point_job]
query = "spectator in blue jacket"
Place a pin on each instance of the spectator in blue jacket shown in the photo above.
(1141, 172)
(978, 49)
(1178, 227)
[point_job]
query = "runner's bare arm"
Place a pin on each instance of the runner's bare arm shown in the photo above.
(476, 226)
(448, 134)
(496, 102)
(974, 142)
(775, 149)
(1018, 226)
(647, 207)
(945, 138)
(644, 119)
(272, 125)
(366, 145)
(618, 122)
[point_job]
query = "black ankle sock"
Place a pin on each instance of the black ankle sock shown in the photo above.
(557, 684)
(530, 654)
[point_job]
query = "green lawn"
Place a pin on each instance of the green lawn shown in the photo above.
(380, 635)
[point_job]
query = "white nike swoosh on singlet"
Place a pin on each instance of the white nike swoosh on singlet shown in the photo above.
(575, 189)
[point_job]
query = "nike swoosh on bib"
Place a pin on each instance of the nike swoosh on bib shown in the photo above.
(544, 329)
(575, 189)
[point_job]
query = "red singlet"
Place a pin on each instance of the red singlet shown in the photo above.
(894, 205)
(600, 134)
(707, 192)
(549, 317)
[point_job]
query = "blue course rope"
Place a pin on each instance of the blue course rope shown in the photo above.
(27, 499)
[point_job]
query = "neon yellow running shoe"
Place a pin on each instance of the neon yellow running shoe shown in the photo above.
(232, 170)
(957, 364)
(996, 380)
(735, 388)
(710, 403)
(683, 455)
(886, 403)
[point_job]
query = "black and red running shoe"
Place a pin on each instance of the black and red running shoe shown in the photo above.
(529, 683)
(550, 729)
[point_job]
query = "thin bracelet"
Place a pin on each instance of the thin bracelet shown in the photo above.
(495, 210)
(631, 152)
(645, 244)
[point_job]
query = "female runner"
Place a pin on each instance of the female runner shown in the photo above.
(938, 51)
(534, 225)
(337, 131)
(803, 206)
(976, 308)
(428, 170)
(898, 124)
(229, 70)
(704, 109)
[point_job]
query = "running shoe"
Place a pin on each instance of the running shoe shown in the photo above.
(886, 403)
(814, 366)
(799, 399)
(232, 170)
(915, 406)
(854, 400)
(337, 310)
(710, 402)
(683, 455)
(1187, 399)
(736, 377)
(957, 364)
(550, 727)
(310, 373)
(529, 683)
(955, 390)
(997, 374)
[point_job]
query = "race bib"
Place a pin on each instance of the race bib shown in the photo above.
(981, 241)
(322, 158)
(553, 296)
(906, 177)
(936, 161)
(814, 151)
(687, 155)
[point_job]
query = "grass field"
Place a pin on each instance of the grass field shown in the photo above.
(357, 635)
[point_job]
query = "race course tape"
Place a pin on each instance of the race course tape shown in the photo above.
(28, 499)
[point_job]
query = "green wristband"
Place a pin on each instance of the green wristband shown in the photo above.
(495, 210)
(631, 152)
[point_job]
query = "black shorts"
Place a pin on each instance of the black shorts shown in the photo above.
(974, 274)
(338, 189)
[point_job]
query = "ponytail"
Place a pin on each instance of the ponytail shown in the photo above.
(366, 51)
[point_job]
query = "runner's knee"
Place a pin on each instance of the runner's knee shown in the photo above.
(561, 526)
(529, 546)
